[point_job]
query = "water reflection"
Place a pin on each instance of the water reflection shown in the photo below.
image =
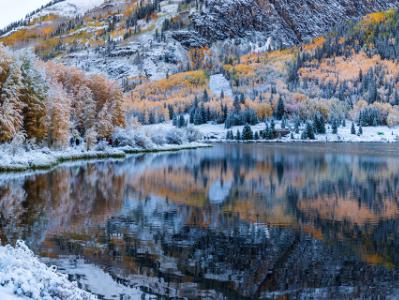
(234, 221)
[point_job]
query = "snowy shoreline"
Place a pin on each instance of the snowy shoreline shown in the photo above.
(43, 159)
(23, 276)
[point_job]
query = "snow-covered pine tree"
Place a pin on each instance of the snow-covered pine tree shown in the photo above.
(11, 120)
(33, 95)
(104, 125)
(58, 116)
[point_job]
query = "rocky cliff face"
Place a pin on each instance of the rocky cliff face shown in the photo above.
(288, 22)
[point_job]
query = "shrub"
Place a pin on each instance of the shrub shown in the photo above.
(174, 137)
(193, 134)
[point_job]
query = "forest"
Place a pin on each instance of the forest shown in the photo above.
(52, 105)
(351, 73)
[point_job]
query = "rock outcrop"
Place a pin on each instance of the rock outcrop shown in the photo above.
(288, 22)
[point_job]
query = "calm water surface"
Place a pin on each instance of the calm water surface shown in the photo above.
(230, 222)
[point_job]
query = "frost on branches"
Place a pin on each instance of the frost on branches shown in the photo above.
(49, 103)
(23, 276)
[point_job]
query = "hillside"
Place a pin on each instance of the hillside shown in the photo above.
(351, 73)
(139, 40)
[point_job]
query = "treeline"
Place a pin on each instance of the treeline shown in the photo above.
(52, 105)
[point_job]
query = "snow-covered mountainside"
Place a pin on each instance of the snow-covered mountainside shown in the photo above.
(69, 8)
(138, 40)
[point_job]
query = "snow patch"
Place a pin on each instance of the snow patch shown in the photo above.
(219, 83)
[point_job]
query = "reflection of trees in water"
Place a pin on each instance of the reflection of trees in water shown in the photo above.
(152, 215)
(65, 199)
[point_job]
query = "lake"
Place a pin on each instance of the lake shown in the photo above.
(236, 221)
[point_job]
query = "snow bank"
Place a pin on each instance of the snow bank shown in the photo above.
(129, 141)
(384, 134)
(23, 276)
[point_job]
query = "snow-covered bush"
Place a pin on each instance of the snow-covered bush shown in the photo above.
(393, 118)
(17, 142)
(23, 275)
(193, 134)
(123, 137)
(101, 146)
(159, 139)
(174, 137)
(142, 141)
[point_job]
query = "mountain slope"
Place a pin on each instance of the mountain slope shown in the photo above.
(139, 40)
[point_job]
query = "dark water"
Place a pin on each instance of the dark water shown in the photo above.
(231, 222)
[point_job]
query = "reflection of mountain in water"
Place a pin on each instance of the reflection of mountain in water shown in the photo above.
(233, 221)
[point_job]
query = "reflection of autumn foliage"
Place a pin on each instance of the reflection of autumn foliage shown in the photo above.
(64, 200)
(327, 196)
(342, 209)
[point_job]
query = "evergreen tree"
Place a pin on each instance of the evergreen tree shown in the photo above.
(198, 119)
(204, 114)
(11, 120)
(280, 109)
(283, 122)
(334, 127)
(256, 136)
(174, 120)
(360, 132)
(247, 133)
(272, 125)
(33, 95)
(308, 133)
(372, 91)
(171, 112)
(192, 114)
(205, 96)
(297, 125)
(238, 135)
(268, 133)
(319, 124)
(353, 129)
(181, 121)
(236, 104)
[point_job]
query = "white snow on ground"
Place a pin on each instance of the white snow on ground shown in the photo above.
(70, 8)
(23, 276)
(262, 48)
(370, 134)
(219, 83)
(44, 158)
(130, 140)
